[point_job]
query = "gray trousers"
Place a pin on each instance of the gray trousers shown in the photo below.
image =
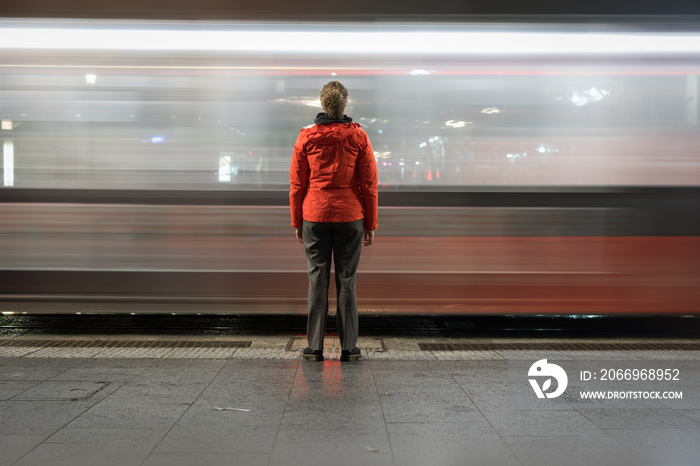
(344, 242)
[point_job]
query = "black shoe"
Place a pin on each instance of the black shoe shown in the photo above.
(350, 355)
(312, 355)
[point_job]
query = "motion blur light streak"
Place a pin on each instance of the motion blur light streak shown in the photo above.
(8, 163)
(341, 39)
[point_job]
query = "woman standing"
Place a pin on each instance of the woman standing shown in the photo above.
(333, 200)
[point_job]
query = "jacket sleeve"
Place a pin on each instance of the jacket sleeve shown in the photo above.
(367, 179)
(298, 181)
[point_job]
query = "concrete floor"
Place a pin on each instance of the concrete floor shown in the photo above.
(399, 405)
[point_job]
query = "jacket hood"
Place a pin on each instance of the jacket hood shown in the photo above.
(331, 130)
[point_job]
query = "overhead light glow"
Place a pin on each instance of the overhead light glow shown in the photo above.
(456, 124)
(588, 96)
(7, 125)
(490, 110)
(340, 39)
(91, 78)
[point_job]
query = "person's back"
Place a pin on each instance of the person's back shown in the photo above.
(333, 201)
(341, 172)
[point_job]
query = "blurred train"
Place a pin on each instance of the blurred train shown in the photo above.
(524, 168)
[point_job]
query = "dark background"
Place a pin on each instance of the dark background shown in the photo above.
(339, 9)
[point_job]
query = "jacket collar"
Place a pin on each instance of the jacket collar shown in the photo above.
(323, 119)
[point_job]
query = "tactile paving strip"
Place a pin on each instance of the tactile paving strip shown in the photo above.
(372, 349)
(561, 346)
(103, 343)
(332, 344)
(119, 348)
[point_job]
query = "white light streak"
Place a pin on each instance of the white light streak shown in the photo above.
(224, 168)
(8, 163)
(351, 40)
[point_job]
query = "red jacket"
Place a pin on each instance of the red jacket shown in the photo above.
(333, 176)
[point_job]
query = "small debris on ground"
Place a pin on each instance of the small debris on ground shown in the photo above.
(374, 450)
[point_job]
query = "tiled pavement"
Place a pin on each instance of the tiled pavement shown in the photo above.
(262, 405)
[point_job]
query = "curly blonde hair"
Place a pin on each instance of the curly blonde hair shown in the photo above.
(334, 98)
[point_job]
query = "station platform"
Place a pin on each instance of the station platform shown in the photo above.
(428, 399)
